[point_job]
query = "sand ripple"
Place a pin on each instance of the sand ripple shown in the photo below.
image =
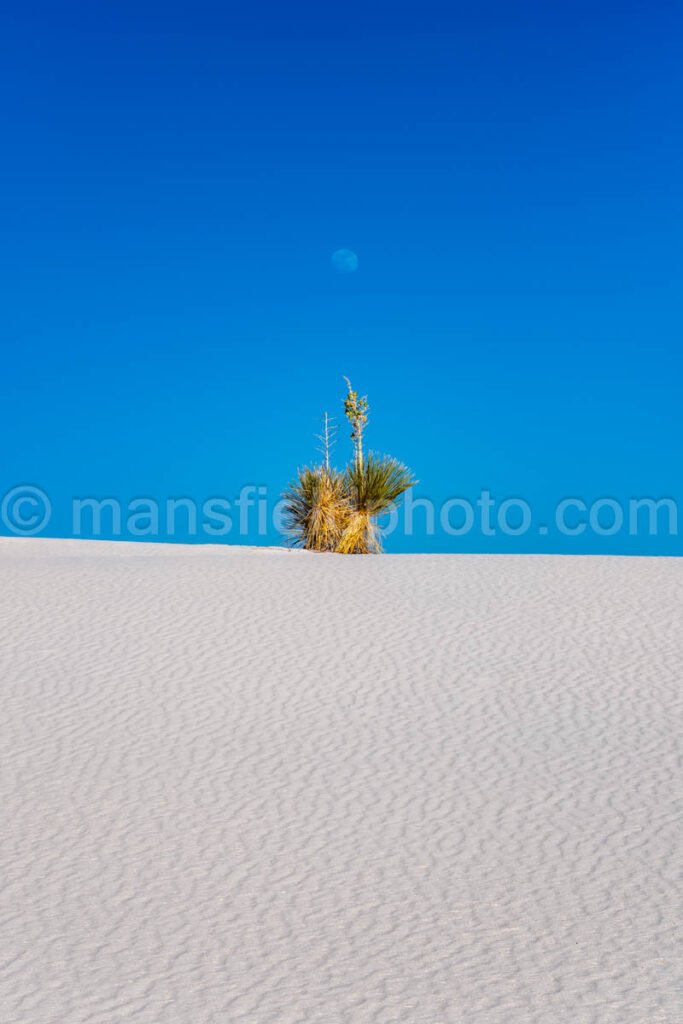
(245, 787)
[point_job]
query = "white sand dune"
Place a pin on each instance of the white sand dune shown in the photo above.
(254, 787)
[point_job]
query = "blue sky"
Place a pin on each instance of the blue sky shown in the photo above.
(176, 177)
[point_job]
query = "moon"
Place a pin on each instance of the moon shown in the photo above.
(345, 261)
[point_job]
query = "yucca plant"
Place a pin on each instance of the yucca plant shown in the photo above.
(372, 488)
(325, 510)
(315, 509)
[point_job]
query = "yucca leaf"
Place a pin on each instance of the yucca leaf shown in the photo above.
(315, 509)
(372, 489)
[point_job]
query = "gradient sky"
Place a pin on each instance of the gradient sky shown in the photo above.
(176, 177)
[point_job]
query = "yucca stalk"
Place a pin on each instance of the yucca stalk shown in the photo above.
(356, 411)
(315, 509)
(327, 439)
(373, 487)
